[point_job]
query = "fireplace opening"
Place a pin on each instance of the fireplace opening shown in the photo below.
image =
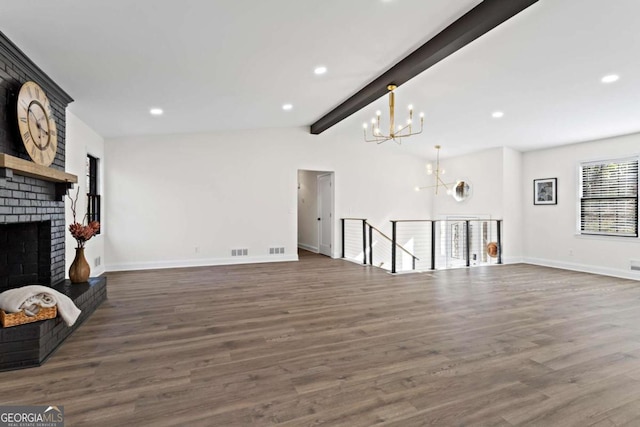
(25, 254)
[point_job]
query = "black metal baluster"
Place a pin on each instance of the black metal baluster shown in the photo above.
(364, 241)
(433, 245)
(370, 245)
(393, 246)
(342, 221)
(467, 243)
(499, 225)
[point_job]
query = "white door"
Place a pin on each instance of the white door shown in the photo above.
(325, 213)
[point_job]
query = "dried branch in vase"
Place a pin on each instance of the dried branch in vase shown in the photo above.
(80, 231)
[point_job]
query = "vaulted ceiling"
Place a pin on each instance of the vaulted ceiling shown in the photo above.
(232, 64)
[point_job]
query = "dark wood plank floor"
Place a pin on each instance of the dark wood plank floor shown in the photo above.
(327, 342)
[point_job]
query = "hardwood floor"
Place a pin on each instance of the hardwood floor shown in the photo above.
(328, 342)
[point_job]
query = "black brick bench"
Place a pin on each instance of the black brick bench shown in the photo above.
(29, 345)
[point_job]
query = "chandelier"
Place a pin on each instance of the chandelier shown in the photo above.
(395, 133)
(438, 175)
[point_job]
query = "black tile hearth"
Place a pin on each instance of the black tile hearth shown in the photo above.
(26, 346)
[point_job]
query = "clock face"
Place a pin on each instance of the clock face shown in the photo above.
(37, 127)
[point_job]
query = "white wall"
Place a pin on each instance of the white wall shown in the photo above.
(180, 200)
(484, 171)
(550, 236)
(82, 140)
(495, 177)
(308, 210)
(502, 180)
(512, 206)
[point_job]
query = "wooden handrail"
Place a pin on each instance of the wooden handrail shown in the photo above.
(414, 220)
(445, 220)
(397, 244)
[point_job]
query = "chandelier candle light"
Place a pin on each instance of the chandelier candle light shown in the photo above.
(394, 134)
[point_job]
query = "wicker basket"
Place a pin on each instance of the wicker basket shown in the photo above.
(20, 318)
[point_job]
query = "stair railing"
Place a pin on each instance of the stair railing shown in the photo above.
(394, 246)
(354, 239)
(429, 244)
(359, 242)
(447, 243)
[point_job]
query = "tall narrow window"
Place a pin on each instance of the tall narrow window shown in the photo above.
(93, 196)
(609, 197)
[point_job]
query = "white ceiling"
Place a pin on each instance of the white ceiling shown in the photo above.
(231, 64)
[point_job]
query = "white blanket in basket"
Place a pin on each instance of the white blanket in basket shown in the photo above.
(30, 298)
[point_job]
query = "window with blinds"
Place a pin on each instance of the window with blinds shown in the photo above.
(609, 198)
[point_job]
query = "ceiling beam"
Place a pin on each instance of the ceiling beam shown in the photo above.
(478, 21)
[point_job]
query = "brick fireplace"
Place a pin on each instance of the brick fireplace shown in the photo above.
(32, 233)
(32, 218)
(32, 251)
(25, 199)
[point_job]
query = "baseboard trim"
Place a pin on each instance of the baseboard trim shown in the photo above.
(593, 269)
(512, 260)
(309, 248)
(98, 271)
(157, 265)
(354, 260)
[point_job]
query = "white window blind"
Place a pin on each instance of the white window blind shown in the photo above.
(609, 199)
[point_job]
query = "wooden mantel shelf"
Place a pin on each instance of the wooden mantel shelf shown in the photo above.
(34, 170)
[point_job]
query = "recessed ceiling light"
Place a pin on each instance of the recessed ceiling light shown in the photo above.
(610, 78)
(320, 70)
(156, 111)
(287, 107)
(497, 114)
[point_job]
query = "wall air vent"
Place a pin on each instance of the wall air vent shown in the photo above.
(276, 251)
(635, 265)
(239, 252)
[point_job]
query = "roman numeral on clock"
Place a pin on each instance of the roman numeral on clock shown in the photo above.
(26, 136)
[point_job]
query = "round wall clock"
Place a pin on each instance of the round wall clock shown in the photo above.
(37, 127)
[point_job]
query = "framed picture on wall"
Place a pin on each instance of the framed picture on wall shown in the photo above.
(545, 191)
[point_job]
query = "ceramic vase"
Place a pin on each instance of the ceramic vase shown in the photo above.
(80, 270)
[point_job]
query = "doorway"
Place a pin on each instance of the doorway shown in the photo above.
(316, 222)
